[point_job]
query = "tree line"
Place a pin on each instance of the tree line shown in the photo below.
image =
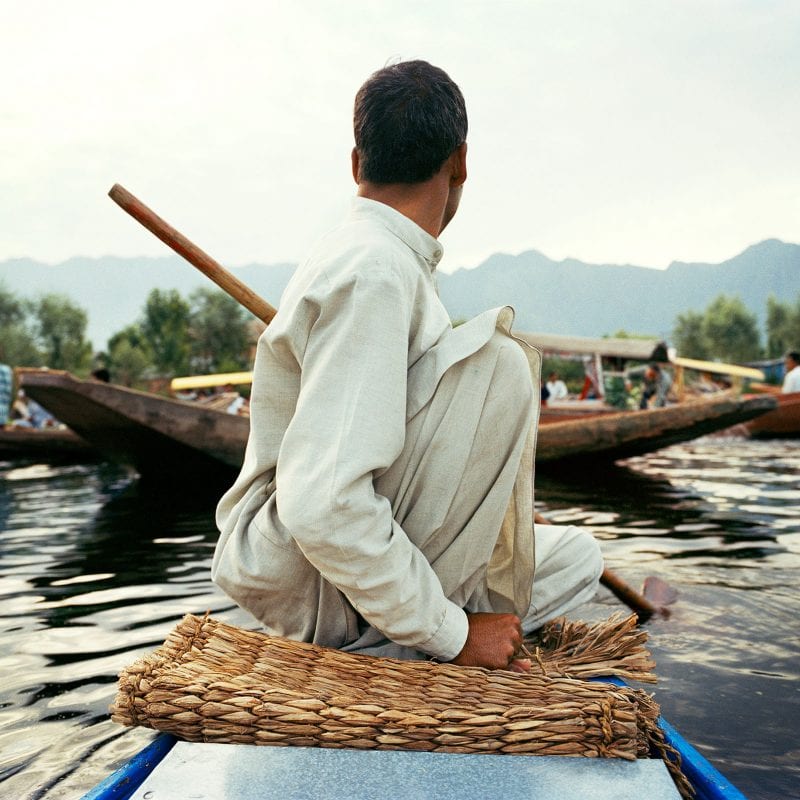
(207, 332)
(727, 331)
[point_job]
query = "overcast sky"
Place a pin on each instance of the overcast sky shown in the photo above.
(621, 132)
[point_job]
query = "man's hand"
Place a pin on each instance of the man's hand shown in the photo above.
(492, 641)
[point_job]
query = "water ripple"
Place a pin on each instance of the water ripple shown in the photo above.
(94, 573)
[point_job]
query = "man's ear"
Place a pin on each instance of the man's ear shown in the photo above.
(459, 165)
(354, 162)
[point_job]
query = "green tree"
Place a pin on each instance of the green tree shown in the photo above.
(783, 327)
(689, 336)
(11, 309)
(17, 343)
(60, 328)
(165, 327)
(220, 332)
(129, 357)
(731, 330)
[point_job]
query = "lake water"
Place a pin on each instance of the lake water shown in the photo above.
(94, 572)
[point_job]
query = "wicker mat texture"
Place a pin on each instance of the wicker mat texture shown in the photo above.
(214, 682)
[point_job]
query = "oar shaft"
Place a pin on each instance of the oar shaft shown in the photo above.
(192, 253)
(644, 608)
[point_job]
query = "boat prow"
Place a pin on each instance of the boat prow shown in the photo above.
(158, 436)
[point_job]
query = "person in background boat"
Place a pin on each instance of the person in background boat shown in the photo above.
(556, 387)
(6, 392)
(238, 404)
(706, 384)
(591, 383)
(791, 380)
(384, 505)
(20, 415)
(27, 413)
(657, 383)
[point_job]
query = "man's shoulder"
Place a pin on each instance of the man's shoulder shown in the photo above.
(360, 249)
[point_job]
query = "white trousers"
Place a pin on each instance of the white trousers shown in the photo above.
(568, 568)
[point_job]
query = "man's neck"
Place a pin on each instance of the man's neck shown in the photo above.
(423, 203)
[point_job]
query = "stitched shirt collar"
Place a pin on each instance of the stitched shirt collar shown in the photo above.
(401, 226)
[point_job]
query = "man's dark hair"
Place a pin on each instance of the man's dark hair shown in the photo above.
(408, 120)
(794, 355)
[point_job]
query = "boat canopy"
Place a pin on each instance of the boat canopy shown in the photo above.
(633, 349)
(719, 368)
(209, 381)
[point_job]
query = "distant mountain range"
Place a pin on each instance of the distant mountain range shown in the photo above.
(567, 297)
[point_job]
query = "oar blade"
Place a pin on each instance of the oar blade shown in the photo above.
(658, 592)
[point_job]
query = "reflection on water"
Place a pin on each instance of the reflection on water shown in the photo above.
(93, 573)
(720, 521)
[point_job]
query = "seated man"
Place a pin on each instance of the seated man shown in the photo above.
(384, 505)
(657, 383)
(791, 378)
(556, 387)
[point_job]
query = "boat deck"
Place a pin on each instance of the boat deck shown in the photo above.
(248, 772)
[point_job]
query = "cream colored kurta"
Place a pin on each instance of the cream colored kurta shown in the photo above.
(362, 496)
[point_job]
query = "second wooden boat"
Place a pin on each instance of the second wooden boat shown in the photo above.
(631, 433)
(781, 423)
(44, 444)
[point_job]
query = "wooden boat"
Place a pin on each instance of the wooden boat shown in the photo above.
(781, 423)
(44, 444)
(180, 770)
(179, 440)
(630, 433)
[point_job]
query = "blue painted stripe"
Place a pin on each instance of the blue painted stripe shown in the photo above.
(707, 780)
(120, 785)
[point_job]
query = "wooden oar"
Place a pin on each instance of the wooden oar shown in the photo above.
(263, 310)
(193, 254)
(637, 602)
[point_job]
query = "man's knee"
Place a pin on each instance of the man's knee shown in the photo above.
(568, 552)
(568, 568)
